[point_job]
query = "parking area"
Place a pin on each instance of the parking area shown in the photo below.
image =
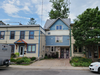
(52, 63)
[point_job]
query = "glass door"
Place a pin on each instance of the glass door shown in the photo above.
(21, 50)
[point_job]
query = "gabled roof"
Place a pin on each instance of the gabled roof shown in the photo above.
(50, 22)
(20, 41)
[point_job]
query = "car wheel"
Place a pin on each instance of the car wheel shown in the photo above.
(99, 70)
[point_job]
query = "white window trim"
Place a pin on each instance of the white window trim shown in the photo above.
(59, 25)
(58, 36)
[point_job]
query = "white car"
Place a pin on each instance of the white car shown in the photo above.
(95, 67)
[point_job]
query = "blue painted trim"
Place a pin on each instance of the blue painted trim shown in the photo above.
(31, 44)
(29, 34)
(21, 30)
(10, 35)
(39, 44)
(14, 47)
(0, 35)
(20, 34)
(19, 49)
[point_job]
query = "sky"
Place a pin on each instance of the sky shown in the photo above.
(14, 11)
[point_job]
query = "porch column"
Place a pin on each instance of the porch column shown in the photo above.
(58, 53)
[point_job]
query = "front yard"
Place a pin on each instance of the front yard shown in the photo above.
(80, 62)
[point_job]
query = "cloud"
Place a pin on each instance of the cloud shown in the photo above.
(13, 7)
(46, 9)
(5, 19)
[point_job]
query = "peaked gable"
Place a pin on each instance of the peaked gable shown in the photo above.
(50, 22)
(57, 23)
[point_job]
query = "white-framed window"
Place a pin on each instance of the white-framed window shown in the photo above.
(58, 27)
(58, 39)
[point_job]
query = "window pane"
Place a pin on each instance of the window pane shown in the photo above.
(2, 35)
(22, 34)
(12, 35)
(33, 48)
(56, 27)
(60, 27)
(58, 39)
(29, 48)
(31, 35)
(75, 48)
(80, 49)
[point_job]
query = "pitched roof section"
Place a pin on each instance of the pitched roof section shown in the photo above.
(20, 41)
(50, 22)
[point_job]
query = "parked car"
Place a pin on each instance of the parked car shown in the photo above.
(5, 55)
(95, 67)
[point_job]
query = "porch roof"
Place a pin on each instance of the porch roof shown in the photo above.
(20, 41)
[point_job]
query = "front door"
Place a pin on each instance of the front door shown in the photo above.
(21, 51)
(62, 53)
(67, 53)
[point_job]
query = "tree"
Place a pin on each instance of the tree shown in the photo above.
(32, 21)
(59, 9)
(86, 30)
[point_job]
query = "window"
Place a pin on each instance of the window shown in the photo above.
(75, 48)
(12, 34)
(31, 48)
(58, 39)
(59, 27)
(80, 49)
(2, 33)
(51, 48)
(31, 35)
(22, 35)
(12, 48)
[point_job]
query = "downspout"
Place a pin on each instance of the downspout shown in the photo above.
(70, 42)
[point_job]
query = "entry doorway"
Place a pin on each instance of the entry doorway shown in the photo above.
(21, 51)
(64, 53)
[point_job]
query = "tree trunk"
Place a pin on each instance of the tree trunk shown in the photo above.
(92, 53)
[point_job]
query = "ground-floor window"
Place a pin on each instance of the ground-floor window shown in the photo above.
(31, 49)
(12, 48)
(77, 49)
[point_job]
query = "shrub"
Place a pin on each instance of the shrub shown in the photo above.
(13, 55)
(17, 54)
(19, 61)
(33, 58)
(13, 60)
(24, 57)
(79, 61)
(46, 57)
(27, 60)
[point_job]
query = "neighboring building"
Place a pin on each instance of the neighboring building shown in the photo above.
(78, 51)
(75, 51)
(25, 39)
(2, 23)
(58, 37)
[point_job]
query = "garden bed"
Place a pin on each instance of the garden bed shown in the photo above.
(80, 62)
(22, 61)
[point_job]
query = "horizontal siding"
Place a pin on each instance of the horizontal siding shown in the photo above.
(59, 22)
(50, 41)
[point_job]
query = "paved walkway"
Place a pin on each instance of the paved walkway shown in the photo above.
(50, 64)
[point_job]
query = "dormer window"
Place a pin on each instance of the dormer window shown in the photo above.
(58, 27)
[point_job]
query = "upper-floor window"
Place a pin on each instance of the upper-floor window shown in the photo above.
(59, 27)
(12, 34)
(58, 38)
(2, 33)
(31, 35)
(22, 35)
